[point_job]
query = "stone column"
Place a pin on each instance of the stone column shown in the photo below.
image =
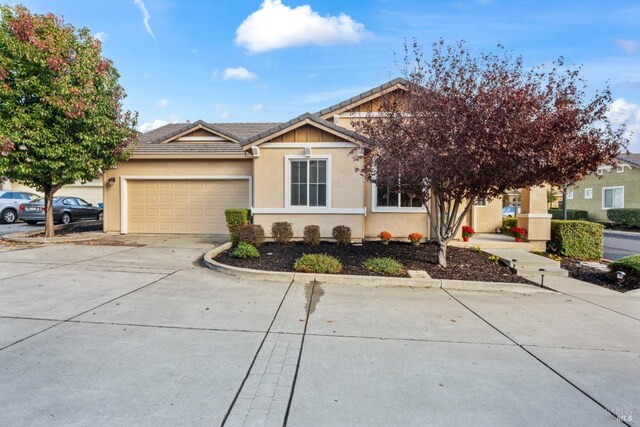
(534, 216)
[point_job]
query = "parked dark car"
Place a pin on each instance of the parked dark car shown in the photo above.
(65, 210)
(10, 201)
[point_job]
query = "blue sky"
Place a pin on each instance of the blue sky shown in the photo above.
(244, 60)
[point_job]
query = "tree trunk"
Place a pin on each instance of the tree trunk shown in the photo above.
(442, 254)
(48, 211)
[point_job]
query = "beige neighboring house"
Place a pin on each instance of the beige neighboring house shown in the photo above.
(89, 191)
(183, 176)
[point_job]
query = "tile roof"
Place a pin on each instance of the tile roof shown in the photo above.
(345, 103)
(151, 142)
(300, 118)
(631, 158)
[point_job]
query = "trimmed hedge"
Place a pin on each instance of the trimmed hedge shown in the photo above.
(572, 214)
(282, 232)
(235, 218)
(342, 234)
(311, 235)
(251, 233)
(576, 239)
(627, 217)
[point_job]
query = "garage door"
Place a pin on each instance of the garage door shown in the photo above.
(183, 207)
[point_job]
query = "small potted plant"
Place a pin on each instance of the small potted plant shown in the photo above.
(384, 237)
(518, 233)
(467, 232)
(415, 238)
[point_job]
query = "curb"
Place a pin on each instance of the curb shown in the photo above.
(622, 233)
(344, 279)
(26, 236)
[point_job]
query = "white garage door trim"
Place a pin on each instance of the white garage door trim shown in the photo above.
(124, 199)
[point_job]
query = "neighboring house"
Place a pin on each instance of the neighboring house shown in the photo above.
(90, 191)
(609, 187)
(182, 177)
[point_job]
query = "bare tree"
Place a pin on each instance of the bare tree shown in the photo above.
(472, 127)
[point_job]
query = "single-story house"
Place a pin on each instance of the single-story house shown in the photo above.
(609, 187)
(181, 177)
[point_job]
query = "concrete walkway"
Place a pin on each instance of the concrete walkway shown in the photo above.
(142, 335)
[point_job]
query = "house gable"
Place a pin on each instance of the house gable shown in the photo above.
(199, 132)
(308, 133)
(365, 102)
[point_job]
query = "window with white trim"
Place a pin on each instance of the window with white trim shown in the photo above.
(588, 193)
(620, 168)
(481, 202)
(569, 194)
(613, 198)
(308, 182)
(600, 171)
(386, 199)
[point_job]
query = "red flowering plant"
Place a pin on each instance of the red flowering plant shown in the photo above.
(467, 231)
(415, 238)
(518, 233)
(385, 236)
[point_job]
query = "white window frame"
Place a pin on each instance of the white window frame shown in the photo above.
(287, 183)
(569, 194)
(620, 168)
(399, 209)
(612, 188)
(600, 171)
(588, 193)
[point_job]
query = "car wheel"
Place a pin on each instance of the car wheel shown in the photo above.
(65, 218)
(32, 222)
(9, 216)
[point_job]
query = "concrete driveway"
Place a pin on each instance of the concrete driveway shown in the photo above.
(142, 335)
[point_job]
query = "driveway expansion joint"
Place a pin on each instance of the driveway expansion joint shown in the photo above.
(593, 399)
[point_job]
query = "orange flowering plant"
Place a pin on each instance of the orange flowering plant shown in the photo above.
(385, 236)
(415, 238)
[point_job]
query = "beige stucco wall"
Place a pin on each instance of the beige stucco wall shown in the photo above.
(487, 218)
(399, 224)
(164, 168)
(326, 222)
(347, 185)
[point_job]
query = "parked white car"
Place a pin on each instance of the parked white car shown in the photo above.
(10, 202)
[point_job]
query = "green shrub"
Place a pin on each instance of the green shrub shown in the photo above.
(384, 265)
(630, 266)
(282, 232)
(576, 239)
(235, 218)
(626, 217)
(342, 234)
(311, 235)
(245, 250)
(572, 214)
(317, 263)
(252, 234)
(507, 225)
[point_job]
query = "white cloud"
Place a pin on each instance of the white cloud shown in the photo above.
(238, 73)
(101, 36)
(276, 26)
(257, 107)
(147, 126)
(629, 46)
(623, 111)
(163, 102)
(225, 114)
(145, 16)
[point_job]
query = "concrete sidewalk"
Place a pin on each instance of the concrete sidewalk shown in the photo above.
(142, 335)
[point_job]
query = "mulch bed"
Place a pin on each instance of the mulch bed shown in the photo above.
(74, 229)
(463, 263)
(598, 277)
